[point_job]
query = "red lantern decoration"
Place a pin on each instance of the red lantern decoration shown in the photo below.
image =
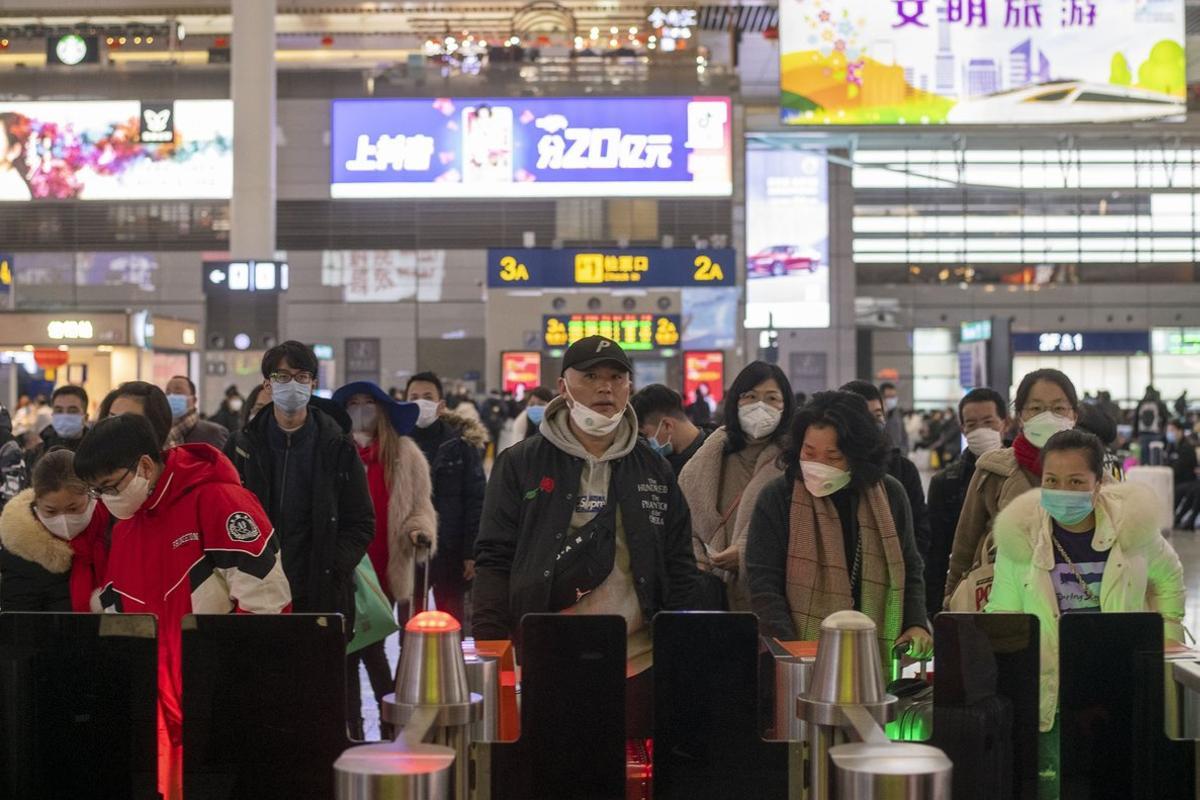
(326, 41)
(771, 34)
(543, 40)
(220, 41)
(50, 358)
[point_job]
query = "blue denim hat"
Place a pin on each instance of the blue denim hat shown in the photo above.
(403, 416)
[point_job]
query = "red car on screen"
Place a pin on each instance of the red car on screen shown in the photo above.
(783, 259)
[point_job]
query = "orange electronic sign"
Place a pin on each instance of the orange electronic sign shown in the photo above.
(704, 368)
(521, 370)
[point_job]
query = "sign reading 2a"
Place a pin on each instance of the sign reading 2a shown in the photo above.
(708, 270)
(512, 270)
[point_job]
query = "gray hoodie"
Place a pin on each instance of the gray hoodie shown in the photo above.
(616, 595)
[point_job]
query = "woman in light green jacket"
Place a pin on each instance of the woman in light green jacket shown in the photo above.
(1078, 545)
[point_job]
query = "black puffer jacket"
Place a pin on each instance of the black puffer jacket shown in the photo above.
(452, 447)
(343, 517)
(530, 500)
(947, 493)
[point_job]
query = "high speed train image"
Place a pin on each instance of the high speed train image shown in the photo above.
(1067, 101)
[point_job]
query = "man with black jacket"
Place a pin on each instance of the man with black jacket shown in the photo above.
(453, 446)
(983, 415)
(899, 466)
(297, 457)
(596, 516)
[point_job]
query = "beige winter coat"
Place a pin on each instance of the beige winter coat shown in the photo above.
(700, 482)
(410, 508)
(998, 480)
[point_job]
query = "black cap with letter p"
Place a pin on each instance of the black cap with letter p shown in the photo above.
(593, 350)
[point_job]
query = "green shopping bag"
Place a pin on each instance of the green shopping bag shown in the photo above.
(373, 618)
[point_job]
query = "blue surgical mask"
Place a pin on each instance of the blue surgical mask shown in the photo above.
(1068, 508)
(663, 450)
(1172, 437)
(290, 396)
(68, 426)
(179, 405)
(536, 414)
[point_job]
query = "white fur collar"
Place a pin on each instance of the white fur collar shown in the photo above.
(1126, 514)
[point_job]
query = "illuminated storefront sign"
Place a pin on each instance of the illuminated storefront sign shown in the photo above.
(869, 62)
(74, 329)
(650, 267)
(705, 369)
(495, 147)
(90, 150)
(1086, 342)
(521, 371)
(631, 331)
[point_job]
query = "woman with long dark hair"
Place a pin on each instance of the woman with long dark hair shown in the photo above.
(723, 479)
(835, 532)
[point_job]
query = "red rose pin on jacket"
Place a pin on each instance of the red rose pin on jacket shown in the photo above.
(200, 544)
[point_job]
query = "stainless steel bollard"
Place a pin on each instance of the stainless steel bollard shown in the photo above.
(395, 771)
(891, 771)
(434, 709)
(847, 676)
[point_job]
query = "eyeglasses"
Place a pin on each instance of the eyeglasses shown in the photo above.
(302, 378)
(97, 492)
(1033, 409)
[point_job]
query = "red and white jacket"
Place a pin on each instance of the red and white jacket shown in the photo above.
(200, 544)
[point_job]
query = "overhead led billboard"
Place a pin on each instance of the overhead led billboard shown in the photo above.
(641, 332)
(83, 150)
(491, 147)
(787, 239)
(866, 62)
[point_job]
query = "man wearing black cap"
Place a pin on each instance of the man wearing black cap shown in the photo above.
(588, 505)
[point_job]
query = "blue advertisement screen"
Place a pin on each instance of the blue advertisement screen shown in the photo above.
(531, 147)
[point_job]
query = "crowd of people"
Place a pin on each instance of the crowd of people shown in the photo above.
(600, 500)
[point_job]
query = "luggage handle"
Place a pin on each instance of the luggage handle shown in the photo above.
(897, 669)
(423, 543)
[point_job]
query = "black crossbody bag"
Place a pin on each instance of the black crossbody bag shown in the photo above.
(585, 558)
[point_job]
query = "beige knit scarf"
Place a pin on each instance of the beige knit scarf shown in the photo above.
(182, 429)
(818, 579)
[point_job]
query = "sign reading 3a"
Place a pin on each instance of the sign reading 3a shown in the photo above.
(644, 268)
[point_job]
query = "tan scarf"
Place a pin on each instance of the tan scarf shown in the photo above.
(182, 429)
(818, 579)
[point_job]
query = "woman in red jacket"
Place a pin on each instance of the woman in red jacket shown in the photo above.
(401, 491)
(55, 541)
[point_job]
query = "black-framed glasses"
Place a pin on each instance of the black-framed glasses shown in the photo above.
(302, 378)
(98, 492)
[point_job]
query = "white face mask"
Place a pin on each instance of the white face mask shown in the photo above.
(429, 413)
(984, 440)
(126, 503)
(822, 480)
(68, 526)
(235, 404)
(592, 422)
(759, 419)
(1039, 429)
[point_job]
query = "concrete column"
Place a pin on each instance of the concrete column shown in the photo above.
(252, 88)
